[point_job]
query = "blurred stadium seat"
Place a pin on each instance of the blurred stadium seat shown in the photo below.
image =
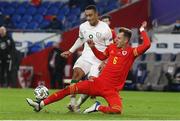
(41, 10)
(31, 10)
(60, 9)
(37, 18)
(20, 10)
(32, 25)
(22, 25)
(26, 18)
(52, 11)
(44, 24)
(36, 47)
(49, 44)
(16, 18)
(9, 11)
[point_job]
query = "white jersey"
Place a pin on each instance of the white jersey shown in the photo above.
(100, 34)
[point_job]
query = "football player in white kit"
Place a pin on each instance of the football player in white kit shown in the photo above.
(87, 63)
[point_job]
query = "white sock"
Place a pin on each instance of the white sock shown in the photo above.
(73, 100)
(82, 99)
(42, 104)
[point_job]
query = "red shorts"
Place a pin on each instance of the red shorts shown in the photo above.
(95, 88)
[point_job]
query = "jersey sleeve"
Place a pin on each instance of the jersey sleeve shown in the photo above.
(108, 36)
(106, 52)
(101, 55)
(144, 46)
(113, 34)
(79, 42)
(81, 36)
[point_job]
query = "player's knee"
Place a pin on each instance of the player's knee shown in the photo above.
(73, 89)
(116, 111)
(77, 74)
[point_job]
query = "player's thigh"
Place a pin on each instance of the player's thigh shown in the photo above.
(94, 71)
(78, 73)
(83, 65)
(113, 99)
(83, 87)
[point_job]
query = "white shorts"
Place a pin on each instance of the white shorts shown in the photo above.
(90, 69)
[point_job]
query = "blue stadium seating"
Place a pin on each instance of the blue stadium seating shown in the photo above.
(61, 17)
(44, 24)
(26, 18)
(31, 10)
(9, 11)
(22, 25)
(3, 4)
(75, 11)
(36, 47)
(57, 4)
(111, 6)
(38, 18)
(16, 18)
(25, 13)
(46, 4)
(25, 4)
(41, 10)
(52, 11)
(64, 10)
(20, 10)
(49, 44)
(15, 4)
(32, 25)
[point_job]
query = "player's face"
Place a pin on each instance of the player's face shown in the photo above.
(91, 17)
(120, 40)
(106, 20)
(2, 31)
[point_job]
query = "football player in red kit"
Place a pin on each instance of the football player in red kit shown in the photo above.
(112, 78)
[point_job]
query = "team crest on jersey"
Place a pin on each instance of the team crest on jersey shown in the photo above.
(112, 52)
(98, 34)
(124, 52)
(90, 36)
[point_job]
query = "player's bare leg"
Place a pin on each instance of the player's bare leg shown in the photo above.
(82, 99)
(78, 73)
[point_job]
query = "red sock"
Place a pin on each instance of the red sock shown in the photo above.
(106, 109)
(57, 96)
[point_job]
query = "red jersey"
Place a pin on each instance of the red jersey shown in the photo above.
(113, 34)
(119, 62)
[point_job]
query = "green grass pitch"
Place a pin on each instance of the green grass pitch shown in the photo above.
(137, 105)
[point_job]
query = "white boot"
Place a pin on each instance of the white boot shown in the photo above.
(34, 104)
(93, 108)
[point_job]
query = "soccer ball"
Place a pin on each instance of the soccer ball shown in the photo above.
(41, 92)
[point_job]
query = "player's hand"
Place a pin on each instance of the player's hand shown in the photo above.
(143, 26)
(66, 54)
(91, 43)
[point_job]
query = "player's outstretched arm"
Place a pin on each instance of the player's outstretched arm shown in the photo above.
(76, 45)
(100, 55)
(146, 41)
